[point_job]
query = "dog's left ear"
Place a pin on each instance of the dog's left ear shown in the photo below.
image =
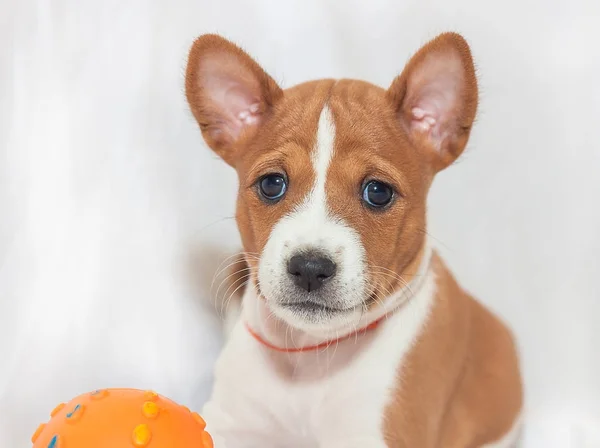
(436, 98)
(229, 94)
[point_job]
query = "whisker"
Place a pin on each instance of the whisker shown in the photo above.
(239, 271)
(217, 221)
(228, 298)
(394, 275)
(245, 279)
(424, 231)
(226, 303)
(220, 270)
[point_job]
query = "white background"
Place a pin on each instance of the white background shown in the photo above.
(112, 208)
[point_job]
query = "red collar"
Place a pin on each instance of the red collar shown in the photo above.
(319, 346)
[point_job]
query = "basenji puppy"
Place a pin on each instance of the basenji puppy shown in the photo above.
(352, 332)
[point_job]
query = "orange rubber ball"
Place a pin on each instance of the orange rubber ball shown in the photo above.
(115, 418)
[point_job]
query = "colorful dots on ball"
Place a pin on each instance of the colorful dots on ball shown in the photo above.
(37, 432)
(75, 414)
(141, 436)
(57, 409)
(150, 409)
(199, 419)
(53, 442)
(99, 394)
(122, 417)
(150, 395)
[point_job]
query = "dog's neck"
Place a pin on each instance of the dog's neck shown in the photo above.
(293, 343)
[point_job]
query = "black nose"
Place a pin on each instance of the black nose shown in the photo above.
(311, 270)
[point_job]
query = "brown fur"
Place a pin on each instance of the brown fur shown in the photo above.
(461, 384)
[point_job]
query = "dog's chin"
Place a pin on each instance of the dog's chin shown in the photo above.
(316, 319)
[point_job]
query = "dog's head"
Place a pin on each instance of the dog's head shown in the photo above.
(333, 175)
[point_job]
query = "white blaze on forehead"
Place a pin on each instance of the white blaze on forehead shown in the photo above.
(321, 158)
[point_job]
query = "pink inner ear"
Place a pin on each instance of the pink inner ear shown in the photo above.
(434, 91)
(233, 95)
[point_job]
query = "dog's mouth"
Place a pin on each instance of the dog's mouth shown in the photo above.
(306, 306)
(327, 308)
(314, 307)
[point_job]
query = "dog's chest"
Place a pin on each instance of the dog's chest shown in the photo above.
(344, 388)
(332, 397)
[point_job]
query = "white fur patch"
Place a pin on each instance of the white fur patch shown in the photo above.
(322, 158)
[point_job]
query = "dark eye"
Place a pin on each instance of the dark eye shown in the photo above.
(272, 187)
(377, 194)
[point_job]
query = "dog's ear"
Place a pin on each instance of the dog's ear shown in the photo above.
(436, 98)
(228, 93)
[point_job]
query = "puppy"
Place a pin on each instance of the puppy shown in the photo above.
(352, 330)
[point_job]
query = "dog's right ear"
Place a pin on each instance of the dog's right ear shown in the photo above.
(228, 93)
